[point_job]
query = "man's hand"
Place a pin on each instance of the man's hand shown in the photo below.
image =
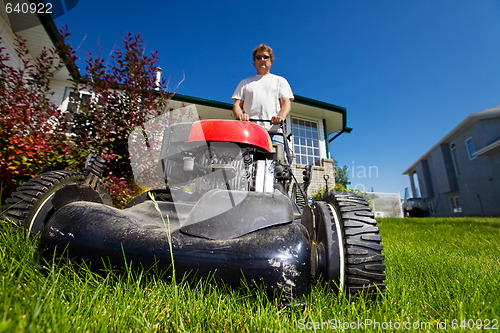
(244, 117)
(286, 105)
(238, 111)
(276, 120)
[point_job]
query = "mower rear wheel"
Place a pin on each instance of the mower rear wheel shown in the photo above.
(31, 205)
(349, 245)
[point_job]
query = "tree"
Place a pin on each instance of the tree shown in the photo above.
(123, 95)
(36, 136)
(341, 175)
(32, 139)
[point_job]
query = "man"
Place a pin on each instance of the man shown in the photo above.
(264, 96)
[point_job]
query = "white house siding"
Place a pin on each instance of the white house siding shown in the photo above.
(60, 89)
(322, 140)
(7, 42)
(35, 43)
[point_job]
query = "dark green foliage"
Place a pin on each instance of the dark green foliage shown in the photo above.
(341, 175)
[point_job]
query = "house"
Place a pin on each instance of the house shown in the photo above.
(38, 31)
(460, 175)
(312, 124)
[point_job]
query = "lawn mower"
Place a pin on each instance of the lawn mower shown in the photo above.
(218, 206)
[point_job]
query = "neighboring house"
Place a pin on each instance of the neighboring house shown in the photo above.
(460, 175)
(311, 123)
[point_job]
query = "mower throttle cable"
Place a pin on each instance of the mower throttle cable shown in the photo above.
(287, 149)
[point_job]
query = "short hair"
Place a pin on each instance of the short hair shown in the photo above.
(263, 47)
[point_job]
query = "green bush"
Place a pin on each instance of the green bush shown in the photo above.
(318, 195)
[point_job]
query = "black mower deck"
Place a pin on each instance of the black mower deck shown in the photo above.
(276, 257)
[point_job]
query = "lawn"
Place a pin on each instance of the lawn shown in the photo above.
(441, 273)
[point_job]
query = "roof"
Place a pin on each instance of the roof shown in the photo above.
(471, 119)
(335, 116)
(56, 39)
(39, 30)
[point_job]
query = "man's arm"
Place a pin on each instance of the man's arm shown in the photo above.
(238, 110)
(286, 106)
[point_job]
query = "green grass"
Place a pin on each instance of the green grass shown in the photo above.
(444, 271)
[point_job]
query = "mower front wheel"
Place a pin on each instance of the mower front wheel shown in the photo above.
(347, 246)
(31, 205)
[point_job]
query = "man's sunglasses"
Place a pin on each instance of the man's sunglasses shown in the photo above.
(260, 57)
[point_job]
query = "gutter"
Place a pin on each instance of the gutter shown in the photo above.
(344, 130)
(50, 27)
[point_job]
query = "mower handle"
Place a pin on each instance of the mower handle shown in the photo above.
(268, 121)
(263, 120)
(282, 125)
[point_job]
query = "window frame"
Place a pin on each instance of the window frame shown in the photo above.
(455, 204)
(301, 137)
(471, 150)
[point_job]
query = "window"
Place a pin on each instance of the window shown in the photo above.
(74, 104)
(305, 141)
(455, 205)
(453, 149)
(470, 148)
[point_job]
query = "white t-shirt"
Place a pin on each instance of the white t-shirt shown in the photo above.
(261, 94)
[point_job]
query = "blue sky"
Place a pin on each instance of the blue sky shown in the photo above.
(407, 71)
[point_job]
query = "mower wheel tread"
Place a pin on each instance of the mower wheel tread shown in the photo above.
(363, 216)
(26, 203)
(26, 197)
(364, 267)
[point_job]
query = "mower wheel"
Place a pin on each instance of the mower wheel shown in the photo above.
(31, 205)
(352, 256)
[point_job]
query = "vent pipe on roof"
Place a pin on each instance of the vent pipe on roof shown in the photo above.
(158, 77)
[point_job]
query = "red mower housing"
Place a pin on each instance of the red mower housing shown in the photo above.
(230, 131)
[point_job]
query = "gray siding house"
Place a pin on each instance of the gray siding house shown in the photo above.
(460, 175)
